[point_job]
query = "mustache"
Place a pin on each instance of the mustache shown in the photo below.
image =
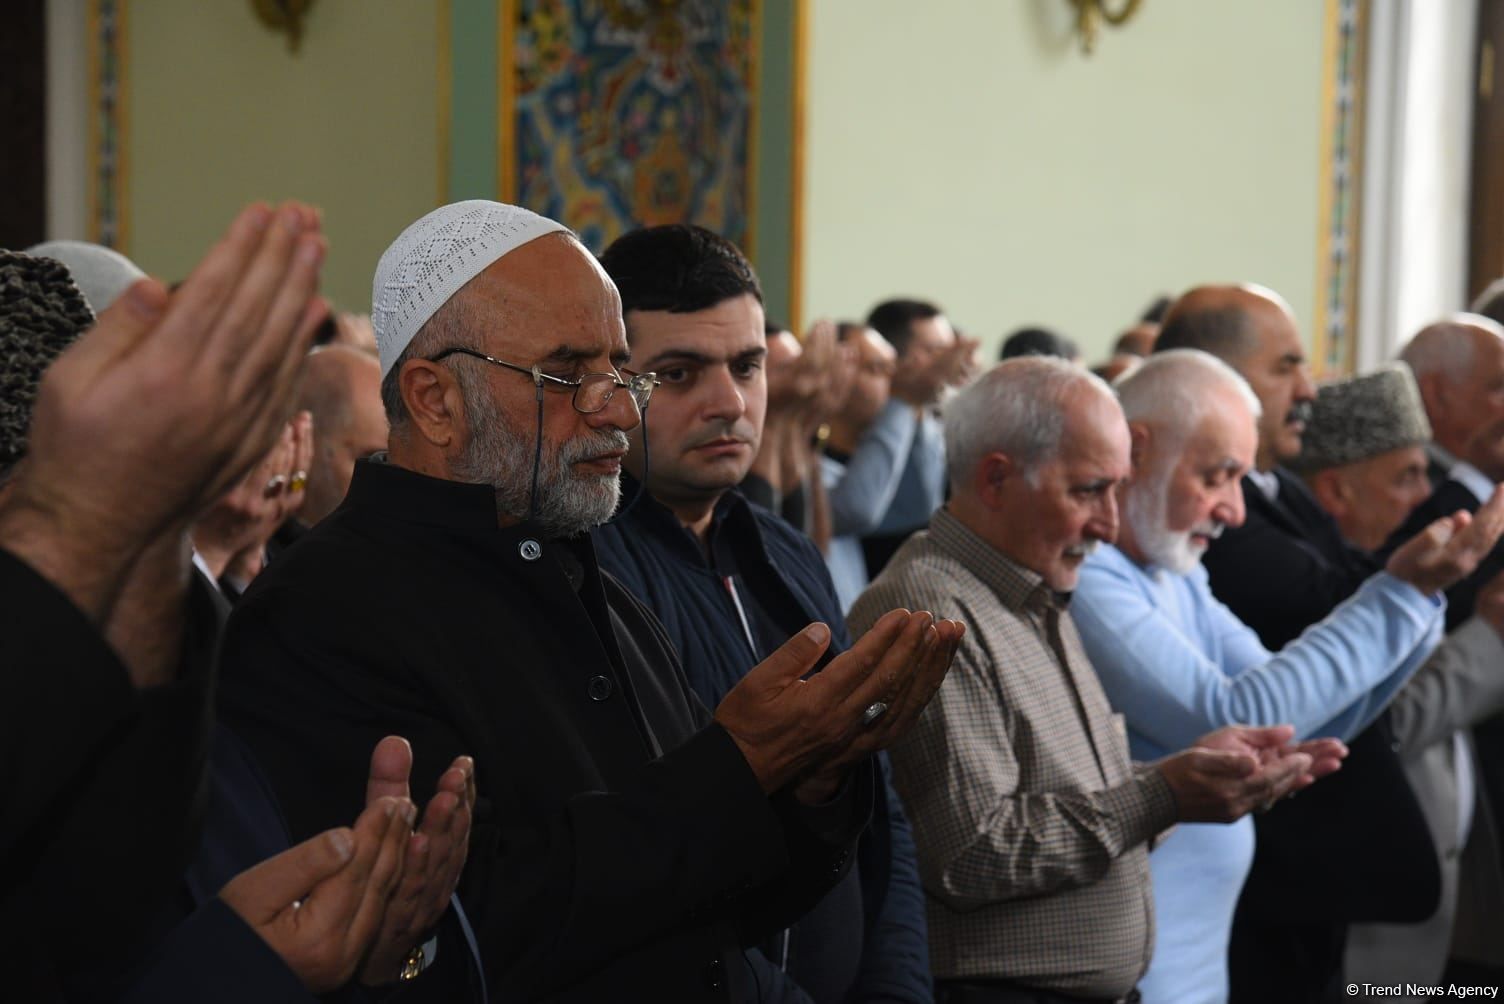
(1300, 411)
(1211, 530)
(593, 445)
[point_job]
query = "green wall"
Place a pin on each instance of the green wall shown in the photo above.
(966, 151)
(219, 113)
(962, 150)
(772, 251)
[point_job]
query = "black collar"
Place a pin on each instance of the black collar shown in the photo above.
(407, 496)
(732, 514)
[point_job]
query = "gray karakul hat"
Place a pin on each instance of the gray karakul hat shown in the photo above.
(1360, 417)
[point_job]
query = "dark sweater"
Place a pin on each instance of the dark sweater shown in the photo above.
(782, 584)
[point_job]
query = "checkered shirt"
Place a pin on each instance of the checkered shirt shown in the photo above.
(1031, 822)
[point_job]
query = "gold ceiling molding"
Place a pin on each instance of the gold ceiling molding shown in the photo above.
(1090, 15)
(284, 16)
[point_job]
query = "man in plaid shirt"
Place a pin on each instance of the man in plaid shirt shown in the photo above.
(1032, 824)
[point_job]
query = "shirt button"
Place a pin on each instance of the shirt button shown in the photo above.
(599, 688)
(713, 974)
(530, 550)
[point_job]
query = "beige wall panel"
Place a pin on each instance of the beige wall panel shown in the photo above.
(966, 151)
(221, 113)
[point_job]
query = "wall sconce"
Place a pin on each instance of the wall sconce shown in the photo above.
(1091, 13)
(285, 16)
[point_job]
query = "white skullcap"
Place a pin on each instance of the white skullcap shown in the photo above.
(100, 273)
(434, 257)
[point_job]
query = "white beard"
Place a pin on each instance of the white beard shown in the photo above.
(1145, 509)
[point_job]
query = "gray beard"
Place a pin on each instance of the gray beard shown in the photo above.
(568, 503)
(1146, 508)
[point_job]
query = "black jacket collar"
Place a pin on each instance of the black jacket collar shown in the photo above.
(732, 514)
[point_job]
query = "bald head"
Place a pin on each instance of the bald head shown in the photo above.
(342, 388)
(1459, 367)
(1450, 346)
(1252, 329)
(1225, 321)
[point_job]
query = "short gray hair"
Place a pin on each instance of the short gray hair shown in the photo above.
(1447, 347)
(448, 328)
(1175, 389)
(1017, 408)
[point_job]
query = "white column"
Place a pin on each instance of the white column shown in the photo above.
(1417, 153)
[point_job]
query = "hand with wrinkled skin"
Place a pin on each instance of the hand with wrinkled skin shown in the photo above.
(1448, 550)
(831, 366)
(791, 728)
(436, 855)
(320, 905)
(231, 537)
(1237, 769)
(105, 478)
(959, 363)
(924, 384)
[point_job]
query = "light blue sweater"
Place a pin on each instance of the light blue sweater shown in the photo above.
(860, 492)
(1178, 664)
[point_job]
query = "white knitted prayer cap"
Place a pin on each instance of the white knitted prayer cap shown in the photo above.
(433, 258)
(100, 273)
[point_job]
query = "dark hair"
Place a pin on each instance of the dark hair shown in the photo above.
(894, 320)
(1156, 311)
(680, 268)
(327, 330)
(1224, 332)
(1038, 342)
(849, 329)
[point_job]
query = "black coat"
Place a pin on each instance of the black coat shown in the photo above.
(622, 849)
(1356, 846)
(104, 787)
(1448, 498)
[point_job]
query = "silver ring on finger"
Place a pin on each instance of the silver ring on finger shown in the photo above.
(274, 485)
(874, 711)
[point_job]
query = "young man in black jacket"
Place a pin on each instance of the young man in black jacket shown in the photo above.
(731, 581)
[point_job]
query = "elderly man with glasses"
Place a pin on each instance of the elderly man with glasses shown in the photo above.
(626, 843)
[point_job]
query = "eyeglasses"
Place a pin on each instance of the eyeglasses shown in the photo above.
(592, 391)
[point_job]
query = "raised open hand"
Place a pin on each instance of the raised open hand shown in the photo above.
(789, 726)
(217, 361)
(435, 854)
(320, 904)
(1449, 549)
